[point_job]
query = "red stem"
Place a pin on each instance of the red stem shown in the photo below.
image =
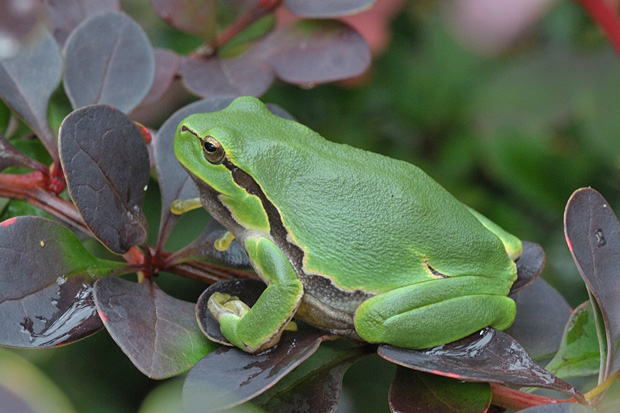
(27, 188)
(606, 17)
(517, 400)
(261, 9)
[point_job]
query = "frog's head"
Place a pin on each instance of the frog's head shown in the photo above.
(217, 150)
(210, 145)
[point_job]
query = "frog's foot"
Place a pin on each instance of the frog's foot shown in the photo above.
(433, 312)
(221, 304)
(181, 206)
(260, 327)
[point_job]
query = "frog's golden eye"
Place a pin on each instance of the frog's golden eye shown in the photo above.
(213, 150)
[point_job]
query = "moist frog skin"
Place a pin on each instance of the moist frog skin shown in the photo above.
(350, 241)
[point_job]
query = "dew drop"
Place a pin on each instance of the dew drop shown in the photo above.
(600, 238)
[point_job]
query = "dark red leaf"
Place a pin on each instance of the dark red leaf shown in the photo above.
(19, 20)
(228, 376)
(314, 386)
(308, 52)
(65, 15)
(174, 182)
(542, 313)
(487, 356)
(166, 68)
(157, 332)
(203, 247)
(106, 165)
(247, 290)
(529, 266)
(46, 278)
(214, 77)
(327, 8)
(27, 81)
(413, 391)
(198, 17)
(109, 60)
(593, 237)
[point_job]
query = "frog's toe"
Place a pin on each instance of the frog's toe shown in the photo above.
(221, 304)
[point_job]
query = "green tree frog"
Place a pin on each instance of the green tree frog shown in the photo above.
(350, 241)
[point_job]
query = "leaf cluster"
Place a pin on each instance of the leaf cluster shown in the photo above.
(55, 291)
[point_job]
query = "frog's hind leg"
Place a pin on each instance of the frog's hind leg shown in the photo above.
(434, 312)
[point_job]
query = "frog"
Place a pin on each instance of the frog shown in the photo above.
(352, 242)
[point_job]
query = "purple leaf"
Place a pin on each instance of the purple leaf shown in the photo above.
(198, 17)
(214, 77)
(308, 52)
(46, 278)
(65, 15)
(18, 21)
(157, 332)
(414, 391)
(593, 237)
(174, 182)
(529, 266)
(27, 81)
(487, 356)
(166, 67)
(203, 247)
(106, 166)
(327, 8)
(248, 291)
(228, 376)
(314, 386)
(108, 60)
(542, 314)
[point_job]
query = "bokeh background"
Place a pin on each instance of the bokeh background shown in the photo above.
(511, 105)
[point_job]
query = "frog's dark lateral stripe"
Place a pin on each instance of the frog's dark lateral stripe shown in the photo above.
(314, 284)
(277, 229)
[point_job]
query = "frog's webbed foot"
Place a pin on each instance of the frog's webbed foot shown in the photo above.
(221, 304)
(258, 328)
(181, 206)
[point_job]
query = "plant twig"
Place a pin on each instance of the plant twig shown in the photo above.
(517, 400)
(263, 8)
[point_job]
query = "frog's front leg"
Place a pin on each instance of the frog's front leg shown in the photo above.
(434, 312)
(258, 328)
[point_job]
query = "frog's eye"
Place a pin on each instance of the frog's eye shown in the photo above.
(213, 150)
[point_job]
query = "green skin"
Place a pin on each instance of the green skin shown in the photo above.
(350, 241)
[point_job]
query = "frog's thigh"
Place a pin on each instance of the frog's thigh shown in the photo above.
(261, 326)
(421, 315)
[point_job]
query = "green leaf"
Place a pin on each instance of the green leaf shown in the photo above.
(23, 388)
(579, 353)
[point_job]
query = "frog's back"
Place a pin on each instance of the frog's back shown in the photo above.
(366, 220)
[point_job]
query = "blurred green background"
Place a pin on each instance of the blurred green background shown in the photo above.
(512, 135)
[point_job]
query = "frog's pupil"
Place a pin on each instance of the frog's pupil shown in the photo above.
(209, 147)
